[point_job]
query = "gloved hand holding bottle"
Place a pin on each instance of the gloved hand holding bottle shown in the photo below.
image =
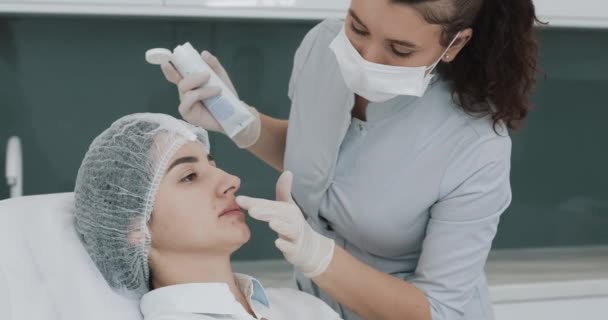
(302, 246)
(194, 88)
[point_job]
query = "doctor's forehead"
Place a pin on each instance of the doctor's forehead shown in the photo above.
(394, 21)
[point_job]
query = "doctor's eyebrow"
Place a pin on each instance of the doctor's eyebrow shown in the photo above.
(403, 43)
(356, 17)
(395, 41)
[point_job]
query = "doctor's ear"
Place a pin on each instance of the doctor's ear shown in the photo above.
(463, 38)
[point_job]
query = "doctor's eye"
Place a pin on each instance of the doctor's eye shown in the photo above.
(357, 30)
(401, 53)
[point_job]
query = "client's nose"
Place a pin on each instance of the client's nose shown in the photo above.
(229, 185)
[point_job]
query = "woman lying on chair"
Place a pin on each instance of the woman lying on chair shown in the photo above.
(160, 221)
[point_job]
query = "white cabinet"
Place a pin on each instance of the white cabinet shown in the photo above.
(566, 309)
(268, 9)
(555, 284)
(267, 4)
(559, 13)
(83, 7)
(87, 2)
(525, 284)
(259, 9)
(568, 13)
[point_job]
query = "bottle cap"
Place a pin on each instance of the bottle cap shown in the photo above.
(158, 56)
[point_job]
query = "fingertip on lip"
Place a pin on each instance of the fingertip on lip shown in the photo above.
(240, 199)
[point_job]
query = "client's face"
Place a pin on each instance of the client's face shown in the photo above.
(195, 209)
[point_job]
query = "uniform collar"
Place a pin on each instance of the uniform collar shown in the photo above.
(203, 298)
(378, 111)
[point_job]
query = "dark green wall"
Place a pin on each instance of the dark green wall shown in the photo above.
(65, 79)
(560, 158)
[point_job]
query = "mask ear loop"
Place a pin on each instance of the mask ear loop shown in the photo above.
(431, 68)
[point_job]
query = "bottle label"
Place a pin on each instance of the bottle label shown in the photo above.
(220, 108)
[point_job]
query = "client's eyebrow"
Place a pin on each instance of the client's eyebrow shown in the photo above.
(181, 161)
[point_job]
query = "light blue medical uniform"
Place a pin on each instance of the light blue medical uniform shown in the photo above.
(416, 191)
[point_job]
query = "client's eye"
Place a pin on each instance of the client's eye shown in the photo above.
(189, 178)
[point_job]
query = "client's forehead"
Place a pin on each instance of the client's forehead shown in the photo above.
(193, 149)
(191, 152)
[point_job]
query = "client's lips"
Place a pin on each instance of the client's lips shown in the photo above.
(232, 208)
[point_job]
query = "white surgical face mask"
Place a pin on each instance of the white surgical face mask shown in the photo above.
(378, 82)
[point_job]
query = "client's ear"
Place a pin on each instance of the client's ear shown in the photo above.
(136, 236)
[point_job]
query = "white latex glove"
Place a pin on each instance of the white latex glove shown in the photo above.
(192, 89)
(302, 246)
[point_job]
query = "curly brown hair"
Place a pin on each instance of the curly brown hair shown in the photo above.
(495, 72)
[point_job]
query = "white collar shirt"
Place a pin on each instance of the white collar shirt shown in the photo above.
(202, 301)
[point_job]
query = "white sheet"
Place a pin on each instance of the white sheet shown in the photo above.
(45, 273)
